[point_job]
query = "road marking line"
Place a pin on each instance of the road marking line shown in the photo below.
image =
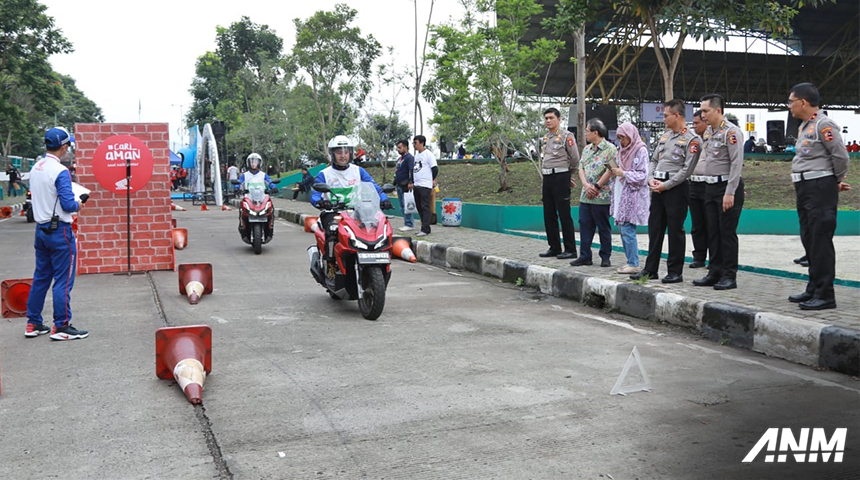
(789, 373)
(616, 323)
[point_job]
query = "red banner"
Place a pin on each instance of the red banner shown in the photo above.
(113, 156)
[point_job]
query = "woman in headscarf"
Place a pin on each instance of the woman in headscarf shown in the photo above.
(631, 198)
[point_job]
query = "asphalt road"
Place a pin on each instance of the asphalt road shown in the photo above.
(461, 377)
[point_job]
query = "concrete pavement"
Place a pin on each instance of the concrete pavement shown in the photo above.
(463, 376)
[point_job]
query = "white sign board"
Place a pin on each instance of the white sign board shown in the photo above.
(653, 112)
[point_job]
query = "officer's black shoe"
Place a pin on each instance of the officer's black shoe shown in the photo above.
(605, 263)
(818, 304)
(549, 253)
(707, 281)
(643, 274)
(697, 264)
(799, 260)
(566, 255)
(580, 262)
(804, 263)
(800, 297)
(726, 284)
(673, 278)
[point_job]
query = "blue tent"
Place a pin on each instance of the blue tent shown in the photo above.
(175, 159)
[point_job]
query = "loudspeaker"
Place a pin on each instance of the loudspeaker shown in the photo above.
(607, 113)
(219, 129)
(775, 133)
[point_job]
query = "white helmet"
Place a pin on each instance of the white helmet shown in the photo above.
(254, 161)
(336, 143)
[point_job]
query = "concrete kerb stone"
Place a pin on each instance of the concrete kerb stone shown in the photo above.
(493, 266)
(787, 337)
(794, 339)
(454, 257)
(679, 310)
(722, 323)
(541, 278)
(840, 350)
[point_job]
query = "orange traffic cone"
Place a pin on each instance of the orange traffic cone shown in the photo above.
(13, 297)
(195, 279)
(6, 212)
(310, 222)
(404, 251)
(174, 206)
(203, 208)
(185, 355)
(23, 213)
(225, 208)
(180, 238)
(173, 222)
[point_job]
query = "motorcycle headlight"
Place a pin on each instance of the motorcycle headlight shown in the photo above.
(353, 242)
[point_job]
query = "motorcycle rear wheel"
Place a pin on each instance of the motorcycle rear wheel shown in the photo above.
(373, 300)
(257, 239)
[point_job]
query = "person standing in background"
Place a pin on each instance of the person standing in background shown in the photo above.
(631, 197)
(696, 197)
(595, 197)
(560, 161)
(402, 179)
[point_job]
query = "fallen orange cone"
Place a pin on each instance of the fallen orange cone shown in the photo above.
(195, 279)
(180, 238)
(225, 208)
(6, 212)
(174, 206)
(13, 297)
(404, 251)
(309, 223)
(185, 355)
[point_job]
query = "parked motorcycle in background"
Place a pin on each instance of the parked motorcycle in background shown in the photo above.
(352, 256)
(257, 215)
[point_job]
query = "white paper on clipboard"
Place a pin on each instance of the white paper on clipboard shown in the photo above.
(78, 190)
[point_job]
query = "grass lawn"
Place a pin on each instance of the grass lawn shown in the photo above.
(767, 184)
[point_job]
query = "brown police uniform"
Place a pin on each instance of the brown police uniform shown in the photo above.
(560, 161)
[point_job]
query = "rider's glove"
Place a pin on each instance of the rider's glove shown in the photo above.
(386, 205)
(324, 204)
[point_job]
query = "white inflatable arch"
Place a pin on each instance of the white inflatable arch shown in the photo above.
(207, 151)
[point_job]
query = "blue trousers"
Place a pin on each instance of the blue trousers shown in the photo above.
(407, 217)
(594, 217)
(56, 259)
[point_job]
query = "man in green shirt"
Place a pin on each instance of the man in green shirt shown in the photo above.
(595, 197)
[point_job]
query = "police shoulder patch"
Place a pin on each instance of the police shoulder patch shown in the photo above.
(827, 132)
(570, 141)
(733, 139)
(694, 147)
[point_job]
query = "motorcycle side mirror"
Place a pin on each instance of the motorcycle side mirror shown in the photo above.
(322, 187)
(388, 188)
(276, 181)
(235, 182)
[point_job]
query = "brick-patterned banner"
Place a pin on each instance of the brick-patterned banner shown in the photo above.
(102, 239)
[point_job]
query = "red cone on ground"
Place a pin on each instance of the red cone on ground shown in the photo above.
(309, 223)
(174, 206)
(185, 355)
(6, 212)
(195, 279)
(225, 208)
(13, 297)
(404, 251)
(203, 208)
(180, 238)
(23, 213)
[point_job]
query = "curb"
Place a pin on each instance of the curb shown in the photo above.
(795, 339)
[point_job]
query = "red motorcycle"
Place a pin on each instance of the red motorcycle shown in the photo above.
(352, 256)
(256, 216)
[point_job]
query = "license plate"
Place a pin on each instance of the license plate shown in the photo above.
(373, 258)
(258, 219)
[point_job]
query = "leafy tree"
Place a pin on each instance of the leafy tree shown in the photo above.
(380, 133)
(337, 59)
(28, 88)
(482, 70)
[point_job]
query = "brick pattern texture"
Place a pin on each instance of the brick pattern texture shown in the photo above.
(102, 239)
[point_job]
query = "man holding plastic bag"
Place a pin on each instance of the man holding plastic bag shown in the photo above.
(402, 179)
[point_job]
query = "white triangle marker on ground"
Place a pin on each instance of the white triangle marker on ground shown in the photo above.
(645, 386)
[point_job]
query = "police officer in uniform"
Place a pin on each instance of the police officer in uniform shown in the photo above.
(674, 159)
(53, 203)
(724, 193)
(818, 169)
(560, 162)
(699, 227)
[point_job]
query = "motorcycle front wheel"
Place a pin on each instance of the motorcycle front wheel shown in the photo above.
(373, 300)
(257, 239)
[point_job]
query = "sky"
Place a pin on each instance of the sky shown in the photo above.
(137, 63)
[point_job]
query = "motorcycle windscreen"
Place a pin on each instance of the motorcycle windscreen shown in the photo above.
(256, 191)
(366, 206)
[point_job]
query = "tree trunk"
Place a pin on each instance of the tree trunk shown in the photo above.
(579, 46)
(503, 168)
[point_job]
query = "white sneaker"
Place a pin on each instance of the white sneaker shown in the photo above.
(421, 234)
(628, 270)
(405, 229)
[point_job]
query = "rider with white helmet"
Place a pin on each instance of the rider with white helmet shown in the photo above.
(255, 176)
(343, 176)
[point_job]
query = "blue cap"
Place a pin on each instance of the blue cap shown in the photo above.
(57, 137)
